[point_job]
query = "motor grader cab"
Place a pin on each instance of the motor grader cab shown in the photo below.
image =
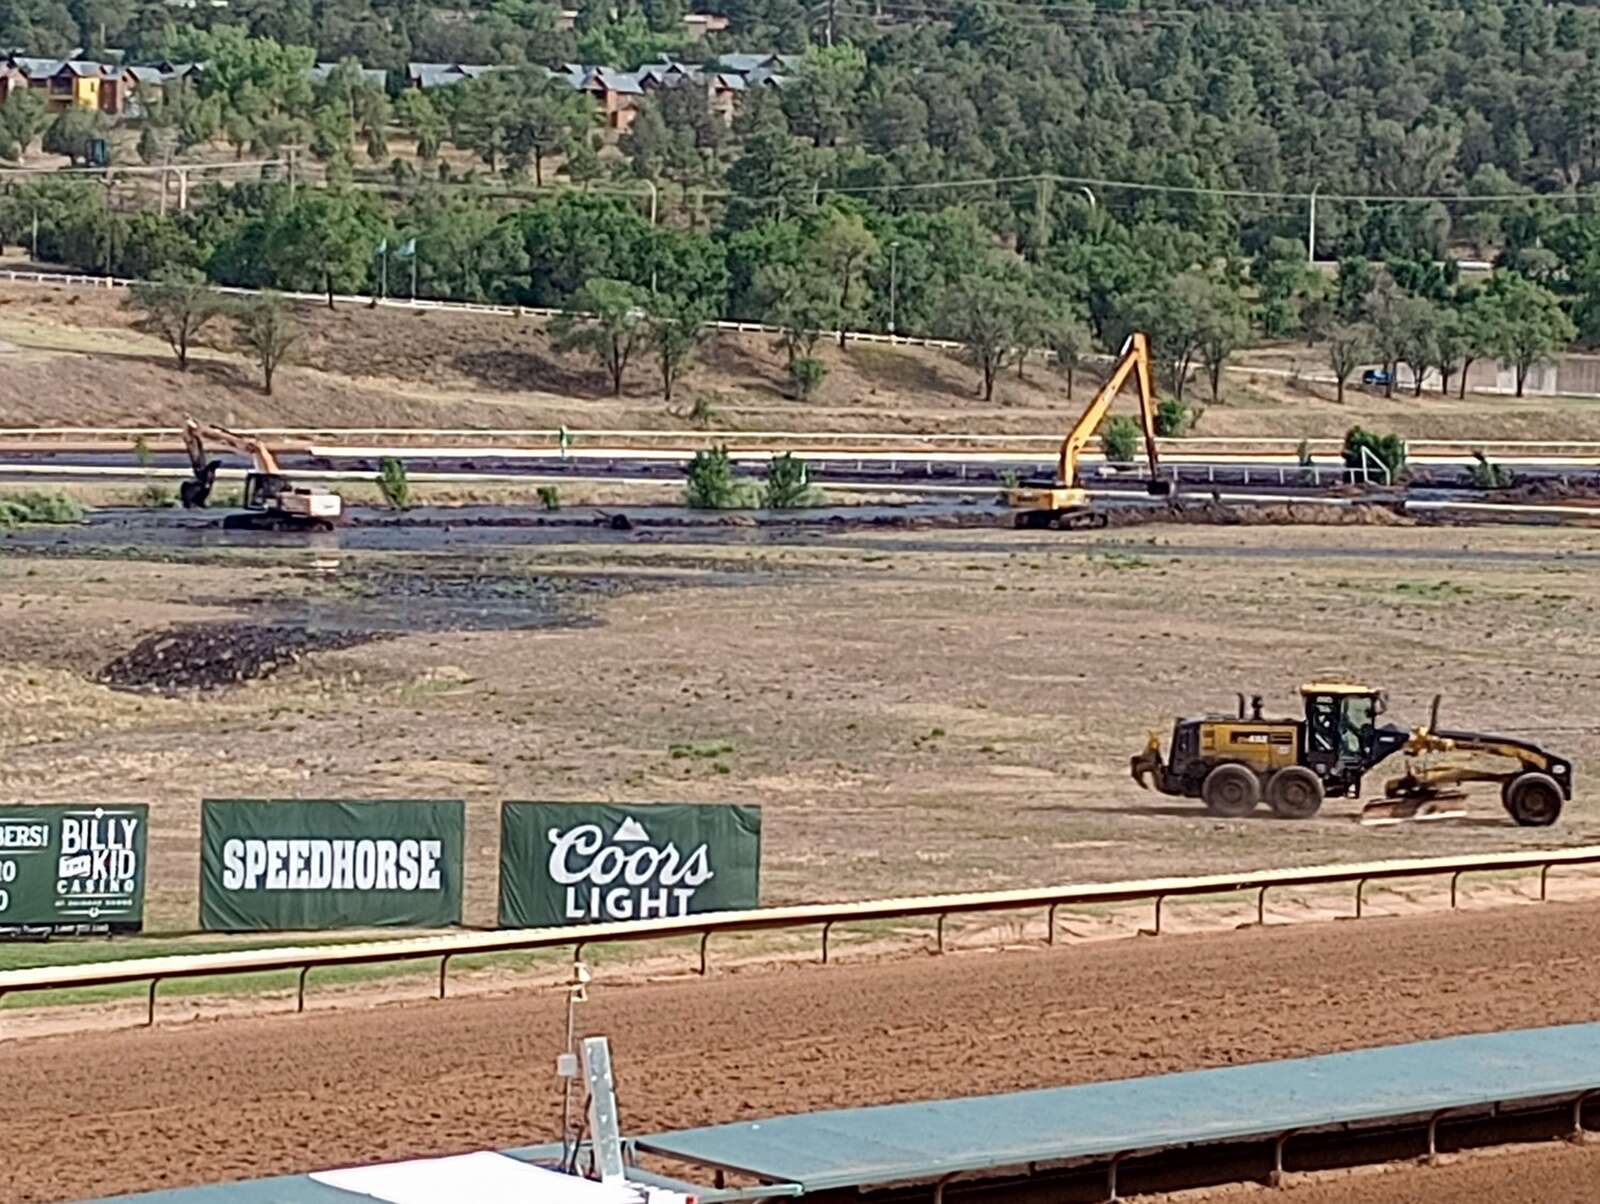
(1233, 762)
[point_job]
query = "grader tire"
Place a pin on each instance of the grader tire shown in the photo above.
(1533, 799)
(1231, 791)
(1294, 792)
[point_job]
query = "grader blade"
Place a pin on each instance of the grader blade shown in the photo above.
(1387, 812)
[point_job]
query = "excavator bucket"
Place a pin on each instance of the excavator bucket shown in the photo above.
(1148, 764)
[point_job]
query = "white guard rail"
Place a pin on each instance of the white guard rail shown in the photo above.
(156, 970)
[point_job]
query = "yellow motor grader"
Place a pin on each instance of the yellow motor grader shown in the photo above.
(1232, 762)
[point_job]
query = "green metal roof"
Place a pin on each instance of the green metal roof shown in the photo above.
(871, 1147)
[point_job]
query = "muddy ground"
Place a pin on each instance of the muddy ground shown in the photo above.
(187, 1102)
(916, 711)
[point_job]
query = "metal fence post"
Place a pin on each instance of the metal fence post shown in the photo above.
(1050, 926)
(150, 1010)
(826, 928)
(444, 964)
(705, 939)
(300, 990)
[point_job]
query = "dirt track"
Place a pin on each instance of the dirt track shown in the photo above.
(104, 1112)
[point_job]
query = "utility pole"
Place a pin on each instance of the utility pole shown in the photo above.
(1311, 229)
(894, 247)
(832, 5)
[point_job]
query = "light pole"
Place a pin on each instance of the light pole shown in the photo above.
(894, 247)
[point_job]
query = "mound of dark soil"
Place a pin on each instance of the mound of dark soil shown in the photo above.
(210, 656)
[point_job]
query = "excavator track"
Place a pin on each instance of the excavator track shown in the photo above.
(259, 520)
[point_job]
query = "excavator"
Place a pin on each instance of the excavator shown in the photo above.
(1063, 503)
(1232, 762)
(271, 501)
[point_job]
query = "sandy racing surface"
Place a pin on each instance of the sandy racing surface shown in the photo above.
(193, 1102)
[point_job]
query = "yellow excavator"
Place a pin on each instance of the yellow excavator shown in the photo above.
(1064, 502)
(271, 501)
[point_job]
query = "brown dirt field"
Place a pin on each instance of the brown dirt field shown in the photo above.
(921, 711)
(76, 361)
(1543, 1174)
(242, 1098)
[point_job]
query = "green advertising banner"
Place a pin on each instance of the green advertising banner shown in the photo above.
(583, 863)
(72, 868)
(329, 863)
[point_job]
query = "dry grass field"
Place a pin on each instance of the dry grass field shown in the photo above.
(916, 711)
(69, 356)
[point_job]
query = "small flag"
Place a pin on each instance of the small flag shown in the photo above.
(383, 247)
(409, 247)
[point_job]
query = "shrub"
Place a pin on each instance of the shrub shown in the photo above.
(807, 374)
(1389, 450)
(157, 497)
(1119, 439)
(703, 412)
(33, 507)
(550, 497)
(392, 483)
(1172, 418)
(711, 483)
(1490, 476)
(788, 484)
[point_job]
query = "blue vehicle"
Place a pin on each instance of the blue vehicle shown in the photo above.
(1377, 378)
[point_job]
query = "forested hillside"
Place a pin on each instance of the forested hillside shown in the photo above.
(1013, 175)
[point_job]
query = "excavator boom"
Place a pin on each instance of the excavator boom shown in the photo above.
(195, 434)
(1134, 361)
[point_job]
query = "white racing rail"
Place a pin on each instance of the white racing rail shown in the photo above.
(156, 970)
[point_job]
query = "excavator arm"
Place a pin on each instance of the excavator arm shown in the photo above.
(1134, 361)
(196, 433)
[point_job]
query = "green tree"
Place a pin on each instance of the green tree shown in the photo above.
(549, 120)
(677, 327)
(1418, 341)
(983, 312)
(606, 319)
(1070, 341)
(1450, 346)
(1349, 345)
(178, 304)
(74, 133)
(1224, 328)
(265, 327)
(324, 242)
(1282, 279)
(820, 95)
(418, 116)
(22, 117)
(801, 303)
(845, 247)
(1527, 323)
(1382, 310)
